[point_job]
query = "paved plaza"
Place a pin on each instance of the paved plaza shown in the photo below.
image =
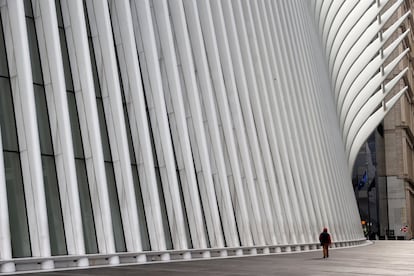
(378, 258)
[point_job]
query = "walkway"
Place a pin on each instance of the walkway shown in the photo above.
(380, 258)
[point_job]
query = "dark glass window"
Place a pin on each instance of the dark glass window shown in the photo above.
(19, 228)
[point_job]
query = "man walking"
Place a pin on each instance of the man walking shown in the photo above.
(325, 240)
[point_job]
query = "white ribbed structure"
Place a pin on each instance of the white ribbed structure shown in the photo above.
(155, 130)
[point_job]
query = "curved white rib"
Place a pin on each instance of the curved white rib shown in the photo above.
(354, 56)
(370, 124)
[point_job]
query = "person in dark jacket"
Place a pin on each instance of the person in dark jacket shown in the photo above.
(325, 240)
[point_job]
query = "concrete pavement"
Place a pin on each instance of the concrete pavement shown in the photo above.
(379, 258)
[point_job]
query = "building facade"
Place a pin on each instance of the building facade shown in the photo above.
(140, 130)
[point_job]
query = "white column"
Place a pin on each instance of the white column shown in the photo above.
(218, 166)
(178, 124)
(248, 86)
(304, 175)
(5, 239)
(76, 35)
(55, 88)
(327, 162)
(17, 46)
(199, 142)
(134, 95)
(293, 163)
(235, 180)
(312, 152)
(293, 214)
(145, 39)
(103, 43)
(233, 72)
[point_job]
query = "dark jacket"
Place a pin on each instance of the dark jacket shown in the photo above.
(325, 238)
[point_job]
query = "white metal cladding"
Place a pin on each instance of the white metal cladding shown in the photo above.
(215, 128)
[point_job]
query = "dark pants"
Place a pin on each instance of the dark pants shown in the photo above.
(325, 247)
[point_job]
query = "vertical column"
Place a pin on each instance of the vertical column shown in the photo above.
(294, 223)
(235, 82)
(218, 166)
(22, 87)
(178, 124)
(134, 94)
(5, 240)
(328, 161)
(199, 148)
(235, 180)
(292, 74)
(103, 43)
(144, 35)
(52, 65)
(267, 86)
(294, 170)
(75, 28)
(249, 79)
(312, 152)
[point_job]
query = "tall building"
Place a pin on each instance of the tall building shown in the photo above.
(141, 130)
